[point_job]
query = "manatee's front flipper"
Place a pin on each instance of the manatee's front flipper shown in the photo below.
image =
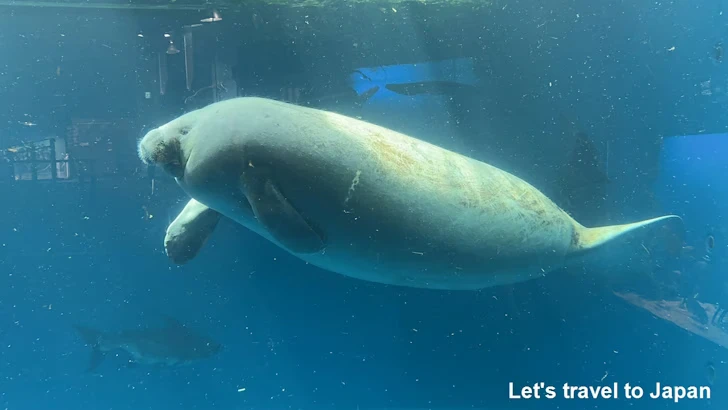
(189, 231)
(277, 215)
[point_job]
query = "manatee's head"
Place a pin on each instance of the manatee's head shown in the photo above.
(165, 147)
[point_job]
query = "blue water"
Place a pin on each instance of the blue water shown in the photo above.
(89, 249)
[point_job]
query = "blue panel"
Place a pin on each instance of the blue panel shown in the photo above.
(426, 115)
(693, 180)
(456, 70)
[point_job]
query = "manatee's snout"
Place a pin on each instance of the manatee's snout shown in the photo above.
(156, 148)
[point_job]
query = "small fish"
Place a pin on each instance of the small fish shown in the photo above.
(710, 372)
(718, 51)
(709, 243)
(215, 17)
(696, 309)
(365, 96)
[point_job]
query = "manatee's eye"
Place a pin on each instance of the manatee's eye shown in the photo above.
(184, 130)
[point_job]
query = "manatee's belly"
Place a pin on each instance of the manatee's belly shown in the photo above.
(369, 246)
(428, 272)
(383, 233)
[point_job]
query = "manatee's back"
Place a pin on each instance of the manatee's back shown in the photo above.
(464, 201)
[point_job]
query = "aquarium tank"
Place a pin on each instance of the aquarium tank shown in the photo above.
(363, 204)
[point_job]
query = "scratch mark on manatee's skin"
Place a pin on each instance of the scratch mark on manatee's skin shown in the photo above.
(354, 183)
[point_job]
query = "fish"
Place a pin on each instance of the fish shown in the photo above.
(365, 96)
(709, 243)
(718, 52)
(697, 310)
(170, 345)
(710, 368)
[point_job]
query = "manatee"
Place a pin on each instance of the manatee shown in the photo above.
(364, 201)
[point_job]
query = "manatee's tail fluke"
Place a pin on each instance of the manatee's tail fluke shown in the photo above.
(586, 239)
(92, 337)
